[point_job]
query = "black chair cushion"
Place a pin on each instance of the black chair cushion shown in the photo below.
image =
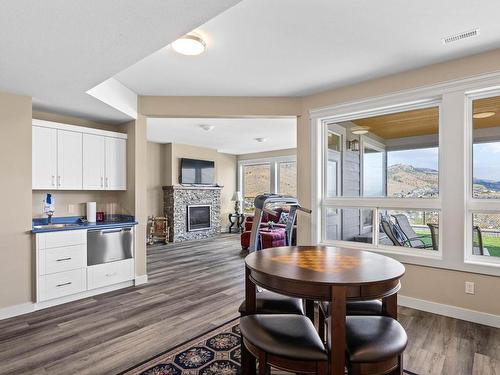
(290, 336)
(374, 338)
(371, 307)
(273, 303)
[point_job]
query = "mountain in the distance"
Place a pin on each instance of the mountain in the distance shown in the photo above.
(488, 184)
(404, 180)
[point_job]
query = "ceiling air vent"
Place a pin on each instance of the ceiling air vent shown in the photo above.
(460, 36)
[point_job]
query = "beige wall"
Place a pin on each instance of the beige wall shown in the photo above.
(156, 177)
(135, 198)
(76, 121)
(268, 154)
(16, 259)
(218, 106)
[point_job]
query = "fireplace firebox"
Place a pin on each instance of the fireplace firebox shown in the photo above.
(199, 217)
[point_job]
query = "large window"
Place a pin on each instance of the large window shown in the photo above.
(484, 200)
(256, 180)
(272, 175)
(412, 174)
(374, 158)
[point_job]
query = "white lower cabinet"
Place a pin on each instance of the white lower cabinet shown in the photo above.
(110, 273)
(62, 270)
(61, 284)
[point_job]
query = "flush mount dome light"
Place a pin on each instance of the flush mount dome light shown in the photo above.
(360, 130)
(189, 45)
(207, 127)
(260, 139)
(483, 114)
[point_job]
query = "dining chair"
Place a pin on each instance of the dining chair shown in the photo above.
(286, 342)
(374, 345)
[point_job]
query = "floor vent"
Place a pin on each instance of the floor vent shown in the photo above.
(460, 36)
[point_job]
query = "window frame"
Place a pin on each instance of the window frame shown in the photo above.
(453, 198)
(274, 170)
(476, 205)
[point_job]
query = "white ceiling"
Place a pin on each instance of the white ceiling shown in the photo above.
(229, 135)
(57, 50)
(297, 47)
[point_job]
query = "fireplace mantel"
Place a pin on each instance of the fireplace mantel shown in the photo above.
(177, 199)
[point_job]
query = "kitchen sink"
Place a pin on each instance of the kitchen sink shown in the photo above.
(54, 226)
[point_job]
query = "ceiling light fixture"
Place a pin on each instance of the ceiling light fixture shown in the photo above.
(207, 127)
(189, 45)
(360, 130)
(484, 114)
(260, 139)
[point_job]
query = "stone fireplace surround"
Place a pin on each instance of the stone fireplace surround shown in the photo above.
(176, 200)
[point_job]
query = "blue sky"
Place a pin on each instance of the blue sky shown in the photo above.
(419, 158)
(486, 161)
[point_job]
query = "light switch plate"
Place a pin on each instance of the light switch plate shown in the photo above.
(469, 287)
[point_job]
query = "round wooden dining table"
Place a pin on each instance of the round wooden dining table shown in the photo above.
(321, 273)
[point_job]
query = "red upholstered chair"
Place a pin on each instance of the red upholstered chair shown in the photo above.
(269, 238)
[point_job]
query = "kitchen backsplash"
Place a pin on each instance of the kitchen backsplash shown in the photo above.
(72, 203)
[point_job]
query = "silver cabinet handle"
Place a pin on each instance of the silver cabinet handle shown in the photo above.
(107, 182)
(62, 259)
(110, 274)
(53, 180)
(111, 231)
(58, 180)
(102, 181)
(64, 284)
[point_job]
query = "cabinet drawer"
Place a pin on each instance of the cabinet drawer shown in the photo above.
(61, 284)
(61, 259)
(110, 273)
(62, 238)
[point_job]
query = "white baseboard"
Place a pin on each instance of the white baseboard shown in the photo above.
(25, 308)
(15, 310)
(450, 311)
(141, 279)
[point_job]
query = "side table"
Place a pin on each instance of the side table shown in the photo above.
(236, 219)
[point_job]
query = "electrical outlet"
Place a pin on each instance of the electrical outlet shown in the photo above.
(469, 287)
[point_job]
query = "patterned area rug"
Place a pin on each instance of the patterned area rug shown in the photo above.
(215, 353)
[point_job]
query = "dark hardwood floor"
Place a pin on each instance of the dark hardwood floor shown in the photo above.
(194, 287)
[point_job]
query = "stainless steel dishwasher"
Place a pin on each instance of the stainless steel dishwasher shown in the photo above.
(108, 245)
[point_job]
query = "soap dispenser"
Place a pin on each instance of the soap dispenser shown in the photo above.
(49, 207)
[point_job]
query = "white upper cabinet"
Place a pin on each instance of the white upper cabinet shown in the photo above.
(116, 164)
(93, 162)
(44, 155)
(69, 160)
(68, 157)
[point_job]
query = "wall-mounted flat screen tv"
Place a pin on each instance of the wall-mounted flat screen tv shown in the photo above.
(198, 172)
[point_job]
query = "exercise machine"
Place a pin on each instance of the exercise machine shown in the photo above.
(264, 203)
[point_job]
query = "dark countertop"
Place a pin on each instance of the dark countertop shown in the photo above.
(112, 221)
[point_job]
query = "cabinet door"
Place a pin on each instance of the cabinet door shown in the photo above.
(69, 160)
(44, 158)
(116, 164)
(93, 162)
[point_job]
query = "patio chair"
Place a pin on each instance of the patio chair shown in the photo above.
(392, 232)
(413, 238)
(434, 235)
